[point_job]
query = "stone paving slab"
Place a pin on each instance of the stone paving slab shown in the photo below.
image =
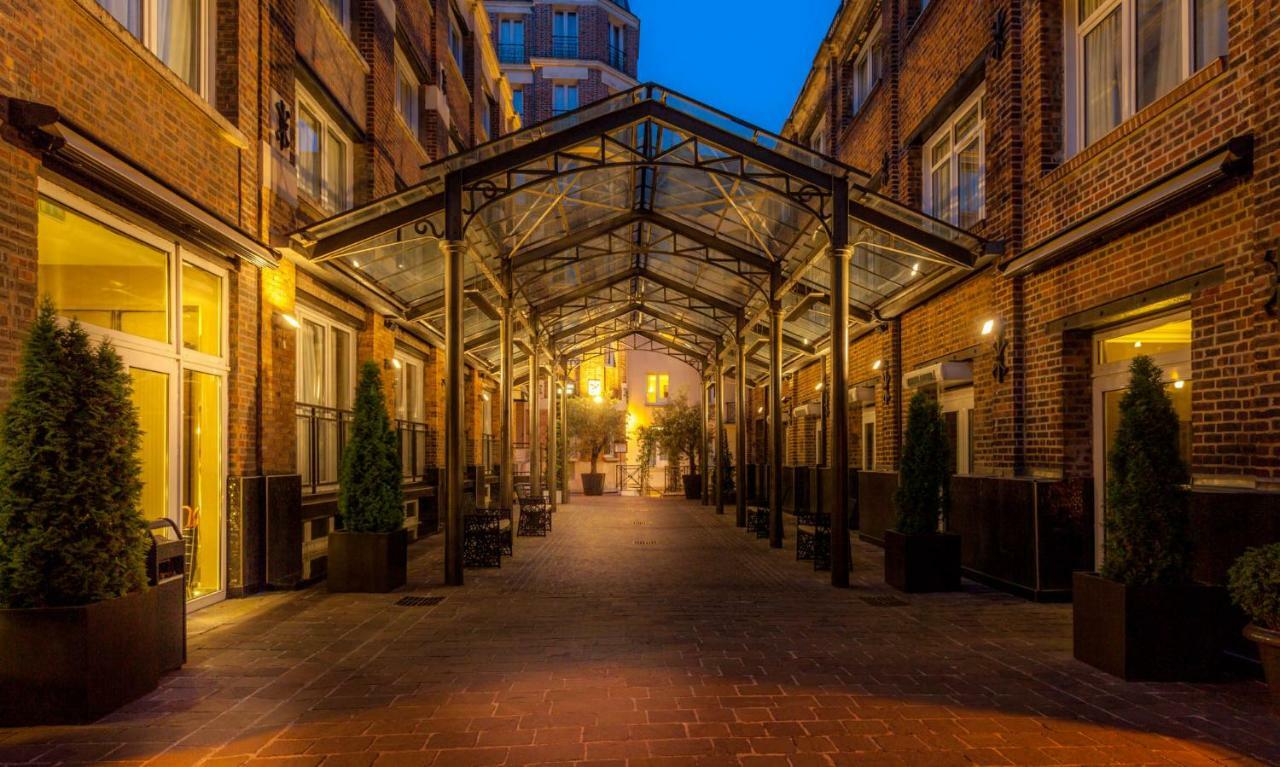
(652, 633)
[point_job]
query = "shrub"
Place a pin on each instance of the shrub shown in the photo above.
(71, 531)
(369, 496)
(680, 425)
(1254, 581)
(594, 426)
(922, 495)
(1147, 508)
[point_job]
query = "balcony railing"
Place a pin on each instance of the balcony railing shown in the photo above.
(322, 436)
(416, 440)
(564, 46)
(617, 58)
(513, 53)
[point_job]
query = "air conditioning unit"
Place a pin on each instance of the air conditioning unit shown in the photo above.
(808, 410)
(862, 395)
(945, 374)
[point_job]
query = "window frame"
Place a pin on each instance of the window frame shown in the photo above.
(328, 128)
(456, 42)
(868, 68)
(305, 314)
(407, 75)
(946, 132)
(657, 379)
(556, 89)
(148, 36)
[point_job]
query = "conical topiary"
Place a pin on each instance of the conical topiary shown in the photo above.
(71, 531)
(922, 490)
(1147, 507)
(369, 496)
(725, 463)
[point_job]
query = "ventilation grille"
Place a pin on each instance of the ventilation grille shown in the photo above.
(884, 601)
(419, 601)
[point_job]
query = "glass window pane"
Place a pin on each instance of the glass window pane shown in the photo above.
(343, 382)
(178, 38)
(127, 12)
(311, 363)
(1102, 78)
(1211, 30)
(101, 276)
(201, 310)
(335, 172)
(339, 10)
(941, 151)
(309, 152)
(969, 186)
(940, 190)
(1087, 7)
(1168, 337)
(1159, 30)
(151, 398)
(202, 481)
(969, 122)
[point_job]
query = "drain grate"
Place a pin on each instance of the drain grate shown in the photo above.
(884, 601)
(419, 601)
(645, 543)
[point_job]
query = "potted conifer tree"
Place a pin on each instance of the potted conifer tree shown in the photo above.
(371, 552)
(1255, 588)
(917, 556)
(1142, 617)
(680, 425)
(595, 426)
(78, 622)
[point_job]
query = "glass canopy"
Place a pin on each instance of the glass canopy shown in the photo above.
(646, 220)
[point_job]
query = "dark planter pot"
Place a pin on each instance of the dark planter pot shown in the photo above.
(692, 486)
(1163, 633)
(368, 563)
(1269, 651)
(72, 665)
(918, 564)
(593, 484)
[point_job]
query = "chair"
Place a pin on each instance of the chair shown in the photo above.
(481, 539)
(535, 517)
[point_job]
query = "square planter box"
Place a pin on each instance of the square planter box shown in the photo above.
(72, 665)
(368, 563)
(922, 563)
(1148, 633)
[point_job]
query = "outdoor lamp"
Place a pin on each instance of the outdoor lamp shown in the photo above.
(876, 365)
(620, 447)
(287, 320)
(391, 364)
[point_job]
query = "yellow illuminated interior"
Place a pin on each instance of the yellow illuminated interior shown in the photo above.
(201, 520)
(201, 310)
(657, 388)
(1167, 337)
(151, 398)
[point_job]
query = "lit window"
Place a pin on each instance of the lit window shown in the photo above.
(657, 388)
(564, 98)
(201, 310)
(175, 30)
(954, 166)
(324, 157)
(407, 90)
(866, 71)
(1131, 52)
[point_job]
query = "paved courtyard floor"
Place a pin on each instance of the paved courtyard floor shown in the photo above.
(652, 633)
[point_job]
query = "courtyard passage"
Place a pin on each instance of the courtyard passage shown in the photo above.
(652, 633)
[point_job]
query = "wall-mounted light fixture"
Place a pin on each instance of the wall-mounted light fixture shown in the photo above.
(391, 364)
(284, 319)
(484, 395)
(877, 364)
(818, 386)
(1000, 346)
(568, 388)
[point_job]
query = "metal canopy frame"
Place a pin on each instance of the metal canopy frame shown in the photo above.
(646, 220)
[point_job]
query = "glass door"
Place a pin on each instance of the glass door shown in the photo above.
(200, 516)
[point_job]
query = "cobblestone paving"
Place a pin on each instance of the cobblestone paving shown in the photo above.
(652, 633)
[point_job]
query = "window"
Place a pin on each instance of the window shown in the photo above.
(324, 157)
(486, 117)
(818, 139)
(617, 47)
(564, 98)
(341, 10)
(407, 90)
(325, 393)
(1129, 53)
(455, 43)
(517, 102)
(564, 35)
(511, 41)
(866, 71)
(176, 31)
(657, 388)
(955, 164)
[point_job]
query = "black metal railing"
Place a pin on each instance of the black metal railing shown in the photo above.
(513, 53)
(617, 58)
(632, 476)
(673, 478)
(322, 436)
(416, 439)
(564, 46)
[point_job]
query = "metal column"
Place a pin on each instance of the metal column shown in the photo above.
(775, 421)
(553, 438)
(535, 420)
(564, 429)
(722, 443)
(455, 434)
(706, 468)
(838, 427)
(740, 485)
(506, 408)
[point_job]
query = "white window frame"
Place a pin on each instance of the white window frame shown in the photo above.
(1075, 32)
(331, 387)
(407, 76)
(658, 399)
(328, 129)
(411, 368)
(341, 14)
(947, 132)
(868, 449)
(457, 43)
(514, 23)
(818, 139)
(960, 401)
(149, 37)
(867, 69)
(556, 90)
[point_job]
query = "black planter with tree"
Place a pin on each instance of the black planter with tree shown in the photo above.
(370, 554)
(680, 425)
(594, 427)
(1142, 617)
(1254, 582)
(917, 557)
(79, 625)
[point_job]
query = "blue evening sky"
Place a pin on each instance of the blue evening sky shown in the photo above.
(745, 57)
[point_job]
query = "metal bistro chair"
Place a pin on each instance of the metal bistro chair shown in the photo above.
(758, 521)
(482, 539)
(535, 517)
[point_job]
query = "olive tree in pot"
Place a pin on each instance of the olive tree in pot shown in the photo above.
(681, 428)
(1255, 588)
(370, 554)
(917, 557)
(595, 426)
(78, 622)
(1142, 617)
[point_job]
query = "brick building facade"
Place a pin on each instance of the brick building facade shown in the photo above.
(1125, 159)
(560, 56)
(150, 163)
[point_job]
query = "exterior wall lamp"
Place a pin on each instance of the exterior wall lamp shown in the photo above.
(286, 320)
(1000, 345)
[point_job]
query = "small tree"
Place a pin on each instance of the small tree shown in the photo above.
(1147, 507)
(369, 496)
(1254, 581)
(681, 428)
(649, 439)
(724, 462)
(71, 531)
(922, 495)
(594, 426)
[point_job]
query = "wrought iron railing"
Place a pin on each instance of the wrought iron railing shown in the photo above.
(513, 53)
(564, 46)
(617, 58)
(674, 481)
(322, 436)
(631, 476)
(415, 439)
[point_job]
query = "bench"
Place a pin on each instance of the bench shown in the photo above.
(758, 521)
(813, 539)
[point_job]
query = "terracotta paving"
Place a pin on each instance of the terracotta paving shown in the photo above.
(651, 633)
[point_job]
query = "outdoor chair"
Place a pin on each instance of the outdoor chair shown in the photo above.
(758, 521)
(535, 517)
(813, 539)
(481, 539)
